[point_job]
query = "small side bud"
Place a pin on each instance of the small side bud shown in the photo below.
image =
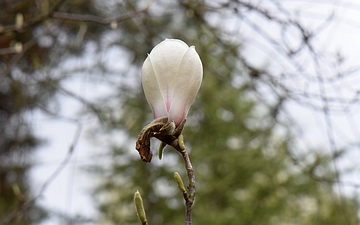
(179, 182)
(140, 208)
(161, 149)
(19, 21)
(181, 142)
(114, 24)
(18, 47)
(16, 190)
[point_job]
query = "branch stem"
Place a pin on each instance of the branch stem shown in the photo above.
(167, 133)
(190, 196)
(189, 199)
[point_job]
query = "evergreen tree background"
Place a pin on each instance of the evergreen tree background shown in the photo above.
(247, 165)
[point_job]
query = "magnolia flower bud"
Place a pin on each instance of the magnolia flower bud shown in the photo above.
(171, 78)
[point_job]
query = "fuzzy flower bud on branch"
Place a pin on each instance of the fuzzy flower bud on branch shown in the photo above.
(171, 77)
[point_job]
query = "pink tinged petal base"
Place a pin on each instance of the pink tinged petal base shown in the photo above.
(188, 83)
(166, 58)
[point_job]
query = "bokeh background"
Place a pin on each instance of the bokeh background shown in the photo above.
(273, 134)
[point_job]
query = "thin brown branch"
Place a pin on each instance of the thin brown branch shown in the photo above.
(25, 47)
(35, 20)
(7, 51)
(189, 199)
(96, 19)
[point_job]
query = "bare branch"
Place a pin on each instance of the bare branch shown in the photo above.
(33, 21)
(96, 19)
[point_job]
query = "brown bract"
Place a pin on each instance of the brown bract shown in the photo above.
(161, 129)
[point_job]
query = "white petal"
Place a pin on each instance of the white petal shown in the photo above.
(166, 58)
(151, 89)
(188, 83)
